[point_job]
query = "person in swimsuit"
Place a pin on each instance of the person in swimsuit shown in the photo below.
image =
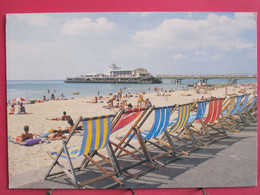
(26, 135)
(64, 117)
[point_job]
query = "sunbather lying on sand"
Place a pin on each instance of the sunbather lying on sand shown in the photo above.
(62, 118)
(57, 136)
(69, 128)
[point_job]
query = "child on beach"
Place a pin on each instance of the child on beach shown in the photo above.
(140, 99)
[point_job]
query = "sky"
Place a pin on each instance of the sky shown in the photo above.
(58, 45)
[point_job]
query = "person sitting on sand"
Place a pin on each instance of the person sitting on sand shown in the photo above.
(64, 117)
(26, 135)
(147, 103)
(12, 109)
(44, 99)
(22, 108)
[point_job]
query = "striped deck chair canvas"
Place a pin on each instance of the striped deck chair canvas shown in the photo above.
(96, 136)
(160, 124)
(215, 109)
(227, 116)
(127, 117)
(226, 111)
(176, 128)
(200, 114)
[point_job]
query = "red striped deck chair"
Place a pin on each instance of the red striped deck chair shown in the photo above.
(227, 107)
(96, 137)
(214, 111)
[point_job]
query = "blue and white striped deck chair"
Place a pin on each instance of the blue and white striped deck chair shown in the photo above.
(96, 136)
(161, 122)
(201, 110)
(234, 111)
(177, 125)
(246, 112)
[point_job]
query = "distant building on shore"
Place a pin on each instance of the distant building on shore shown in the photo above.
(116, 75)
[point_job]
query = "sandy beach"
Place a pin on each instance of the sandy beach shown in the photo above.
(26, 158)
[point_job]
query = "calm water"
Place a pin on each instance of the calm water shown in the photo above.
(35, 89)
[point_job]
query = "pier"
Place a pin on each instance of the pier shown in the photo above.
(231, 79)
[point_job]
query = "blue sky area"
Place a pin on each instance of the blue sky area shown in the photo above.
(56, 45)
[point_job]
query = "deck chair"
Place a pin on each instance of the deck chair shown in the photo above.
(178, 126)
(229, 116)
(228, 107)
(247, 112)
(208, 123)
(242, 107)
(200, 114)
(96, 136)
(123, 119)
(160, 123)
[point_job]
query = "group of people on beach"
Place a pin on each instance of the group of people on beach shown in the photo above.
(116, 101)
(58, 134)
(21, 108)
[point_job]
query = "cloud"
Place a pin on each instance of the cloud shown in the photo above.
(87, 26)
(178, 56)
(34, 19)
(215, 57)
(200, 53)
(220, 31)
(142, 14)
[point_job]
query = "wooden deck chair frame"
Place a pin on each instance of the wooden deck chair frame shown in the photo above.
(96, 136)
(214, 111)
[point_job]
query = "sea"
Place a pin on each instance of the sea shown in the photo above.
(36, 89)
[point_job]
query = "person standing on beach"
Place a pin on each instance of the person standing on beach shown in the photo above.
(119, 94)
(140, 99)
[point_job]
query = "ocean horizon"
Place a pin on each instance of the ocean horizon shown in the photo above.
(36, 89)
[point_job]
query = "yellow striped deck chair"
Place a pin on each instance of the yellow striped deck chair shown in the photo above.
(177, 126)
(96, 136)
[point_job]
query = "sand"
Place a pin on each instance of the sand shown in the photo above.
(26, 158)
